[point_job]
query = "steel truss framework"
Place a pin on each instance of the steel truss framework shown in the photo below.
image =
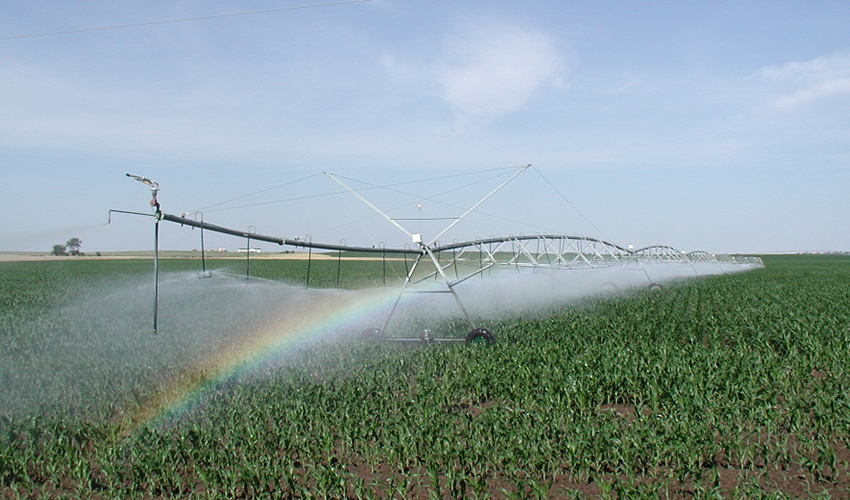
(433, 263)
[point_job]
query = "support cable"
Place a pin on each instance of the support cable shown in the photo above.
(372, 186)
(256, 193)
(569, 202)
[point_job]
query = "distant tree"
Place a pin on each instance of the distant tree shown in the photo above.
(74, 245)
(58, 250)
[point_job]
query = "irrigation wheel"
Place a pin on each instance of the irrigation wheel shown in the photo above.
(655, 287)
(480, 336)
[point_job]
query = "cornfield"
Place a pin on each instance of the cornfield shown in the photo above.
(723, 386)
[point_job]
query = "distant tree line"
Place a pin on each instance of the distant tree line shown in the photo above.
(71, 247)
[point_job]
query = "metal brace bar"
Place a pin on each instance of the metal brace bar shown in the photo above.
(451, 288)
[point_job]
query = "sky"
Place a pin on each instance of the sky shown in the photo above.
(716, 126)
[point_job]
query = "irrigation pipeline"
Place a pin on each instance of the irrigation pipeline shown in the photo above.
(278, 240)
(597, 249)
(581, 248)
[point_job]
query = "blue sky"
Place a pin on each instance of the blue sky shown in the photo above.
(720, 126)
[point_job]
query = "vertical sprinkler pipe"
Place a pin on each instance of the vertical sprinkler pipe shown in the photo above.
(156, 268)
(309, 260)
(248, 254)
(203, 273)
(203, 250)
(339, 262)
(383, 265)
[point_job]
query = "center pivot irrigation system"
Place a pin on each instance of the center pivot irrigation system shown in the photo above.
(436, 268)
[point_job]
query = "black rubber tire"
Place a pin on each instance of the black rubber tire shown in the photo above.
(372, 334)
(480, 336)
(655, 287)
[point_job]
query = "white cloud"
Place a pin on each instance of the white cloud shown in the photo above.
(813, 80)
(496, 71)
(814, 93)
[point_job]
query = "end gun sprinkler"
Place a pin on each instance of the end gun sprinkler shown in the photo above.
(157, 217)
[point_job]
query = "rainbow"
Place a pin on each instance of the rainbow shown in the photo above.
(320, 318)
